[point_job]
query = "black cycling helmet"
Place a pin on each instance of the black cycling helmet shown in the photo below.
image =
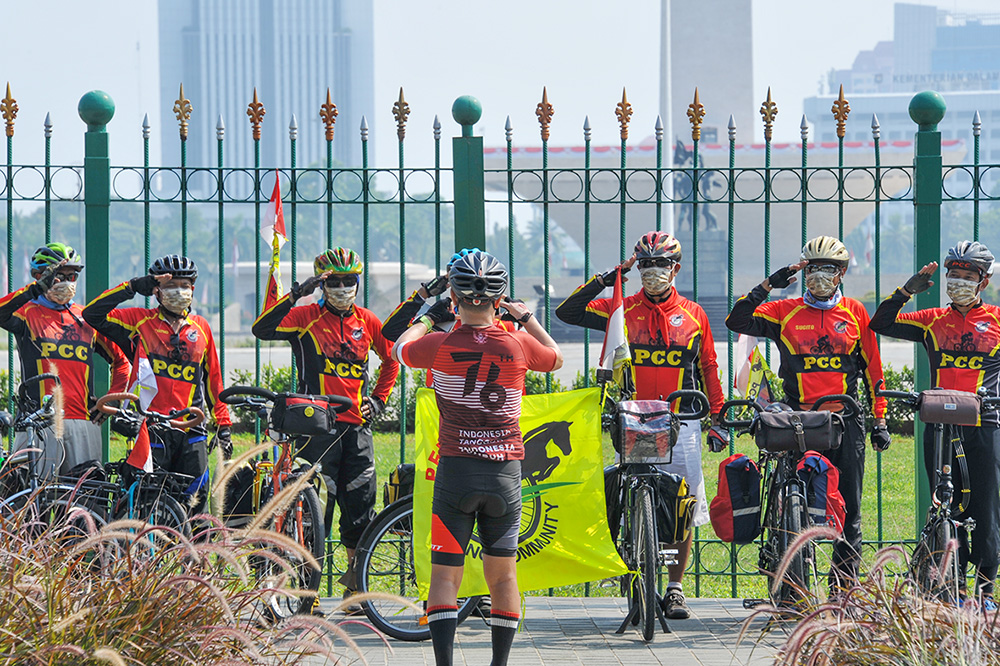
(478, 276)
(176, 265)
(972, 256)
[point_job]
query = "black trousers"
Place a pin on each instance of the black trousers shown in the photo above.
(850, 460)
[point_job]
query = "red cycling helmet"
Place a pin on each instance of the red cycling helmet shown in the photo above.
(658, 244)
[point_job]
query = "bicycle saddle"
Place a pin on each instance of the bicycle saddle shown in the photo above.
(492, 504)
(778, 407)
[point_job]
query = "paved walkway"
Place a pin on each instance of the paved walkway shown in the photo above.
(572, 630)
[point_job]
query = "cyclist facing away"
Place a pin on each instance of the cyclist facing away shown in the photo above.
(330, 343)
(180, 350)
(479, 371)
(52, 337)
(826, 347)
(672, 348)
(962, 341)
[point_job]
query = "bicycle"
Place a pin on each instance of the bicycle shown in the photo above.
(785, 501)
(934, 568)
(641, 449)
(303, 520)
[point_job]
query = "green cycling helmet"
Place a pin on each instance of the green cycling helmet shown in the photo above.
(338, 260)
(53, 253)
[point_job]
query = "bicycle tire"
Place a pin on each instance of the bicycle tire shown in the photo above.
(646, 547)
(795, 584)
(931, 579)
(384, 562)
(305, 579)
(156, 507)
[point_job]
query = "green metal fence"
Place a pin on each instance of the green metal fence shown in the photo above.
(399, 214)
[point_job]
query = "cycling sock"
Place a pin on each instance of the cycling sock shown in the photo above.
(675, 586)
(503, 626)
(442, 621)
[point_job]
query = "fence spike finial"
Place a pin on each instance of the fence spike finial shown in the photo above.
(220, 128)
(256, 112)
(182, 109)
(401, 111)
(732, 127)
(437, 128)
(544, 112)
(508, 130)
(48, 125)
(696, 113)
(623, 110)
(328, 114)
(768, 111)
(876, 128)
(804, 129)
(8, 108)
(145, 126)
(658, 128)
(841, 109)
(293, 128)
(364, 128)
(977, 124)
(586, 128)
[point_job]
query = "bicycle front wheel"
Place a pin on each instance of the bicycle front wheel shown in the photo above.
(645, 548)
(934, 567)
(384, 563)
(794, 586)
(157, 508)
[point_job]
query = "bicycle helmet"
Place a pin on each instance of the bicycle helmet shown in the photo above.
(657, 244)
(970, 255)
(826, 250)
(461, 253)
(53, 253)
(478, 276)
(176, 265)
(338, 260)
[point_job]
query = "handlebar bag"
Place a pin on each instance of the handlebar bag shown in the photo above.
(647, 431)
(950, 407)
(735, 509)
(798, 431)
(298, 414)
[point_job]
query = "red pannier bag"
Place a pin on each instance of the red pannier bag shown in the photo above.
(822, 485)
(735, 510)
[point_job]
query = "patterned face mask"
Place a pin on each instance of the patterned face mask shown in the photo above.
(177, 299)
(962, 292)
(822, 285)
(61, 293)
(656, 280)
(340, 298)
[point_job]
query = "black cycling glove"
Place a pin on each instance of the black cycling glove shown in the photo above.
(440, 312)
(608, 279)
(880, 438)
(375, 406)
(507, 316)
(48, 277)
(144, 285)
(306, 287)
(917, 283)
(437, 286)
(718, 439)
(782, 277)
(224, 439)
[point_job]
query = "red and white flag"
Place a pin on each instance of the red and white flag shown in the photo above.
(142, 383)
(272, 229)
(616, 356)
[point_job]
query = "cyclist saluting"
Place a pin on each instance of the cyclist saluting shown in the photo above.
(52, 337)
(330, 342)
(962, 341)
(180, 350)
(479, 372)
(826, 347)
(672, 348)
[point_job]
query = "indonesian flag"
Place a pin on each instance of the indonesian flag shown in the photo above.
(272, 229)
(142, 383)
(751, 372)
(616, 357)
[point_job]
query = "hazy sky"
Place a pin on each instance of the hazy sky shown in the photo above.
(585, 51)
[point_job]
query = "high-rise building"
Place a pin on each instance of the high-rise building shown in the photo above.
(291, 51)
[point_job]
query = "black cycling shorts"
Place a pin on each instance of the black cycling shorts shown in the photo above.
(473, 492)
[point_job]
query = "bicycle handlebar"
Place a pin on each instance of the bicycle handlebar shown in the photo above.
(236, 395)
(700, 399)
(737, 424)
(912, 398)
(22, 390)
(851, 407)
(196, 416)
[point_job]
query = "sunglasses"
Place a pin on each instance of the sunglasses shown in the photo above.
(342, 281)
(67, 277)
(828, 269)
(657, 262)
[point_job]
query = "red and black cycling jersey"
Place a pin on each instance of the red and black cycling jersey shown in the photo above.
(54, 338)
(671, 341)
(478, 382)
(962, 349)
(185, 362)
(331, 350)
(823, 352)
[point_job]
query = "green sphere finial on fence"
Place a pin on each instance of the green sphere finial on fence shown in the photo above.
(467, 110)
(96, 108)
(927, 110)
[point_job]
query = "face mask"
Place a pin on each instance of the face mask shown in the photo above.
(177, 299)
(962, 292)
(340, 298)
(656, 280)
(821, 285)
(61, 293)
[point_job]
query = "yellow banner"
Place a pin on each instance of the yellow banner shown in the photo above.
(564, 536)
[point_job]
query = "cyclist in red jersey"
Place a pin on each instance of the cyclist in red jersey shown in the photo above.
(479, 372)
(52, 337)
(826, 347)
(180, 349)
(962, 343)
(672, 348)
(330, 344)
